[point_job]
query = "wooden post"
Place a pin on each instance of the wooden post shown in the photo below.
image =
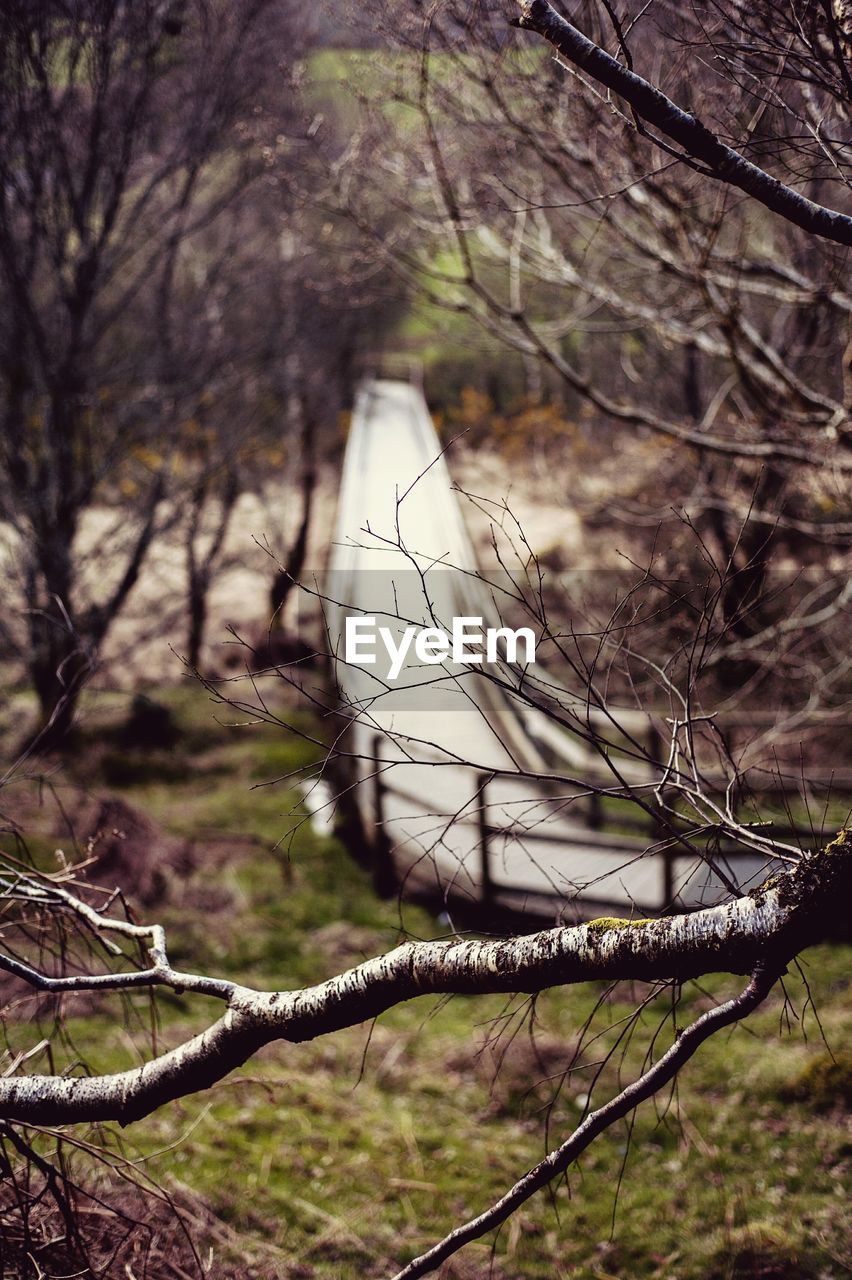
(384, 874)
(655, 751)
(486, 887)
(668, 881)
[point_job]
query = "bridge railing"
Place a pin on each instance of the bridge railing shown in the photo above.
(635, 834)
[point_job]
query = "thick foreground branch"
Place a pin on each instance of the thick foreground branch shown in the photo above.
(698, 142)
(765, 928)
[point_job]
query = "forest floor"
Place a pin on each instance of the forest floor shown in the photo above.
(341, 1159)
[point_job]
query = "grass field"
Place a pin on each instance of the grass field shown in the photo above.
(345, 1157)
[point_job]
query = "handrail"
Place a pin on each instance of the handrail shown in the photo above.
(488, 832)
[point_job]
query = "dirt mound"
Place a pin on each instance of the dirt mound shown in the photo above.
(132, 854)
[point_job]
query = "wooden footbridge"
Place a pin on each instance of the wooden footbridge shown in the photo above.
(466, 793)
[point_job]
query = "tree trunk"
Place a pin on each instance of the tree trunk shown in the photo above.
(201, 568)
(59, 657)
(288, 575)
(197, 610)
(60, 664)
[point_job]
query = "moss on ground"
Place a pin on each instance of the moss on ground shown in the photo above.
(825, 1082)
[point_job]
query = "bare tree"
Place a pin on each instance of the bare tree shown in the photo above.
(817, 60)
(272, 311)
(652, 297)
(111, 118)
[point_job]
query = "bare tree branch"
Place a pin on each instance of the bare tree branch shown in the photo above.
(698, 142)
(734, 1010)
(767, 927)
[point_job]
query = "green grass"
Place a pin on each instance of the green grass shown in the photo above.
(344, 1157)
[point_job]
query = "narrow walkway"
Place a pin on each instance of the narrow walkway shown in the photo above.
(448, 760)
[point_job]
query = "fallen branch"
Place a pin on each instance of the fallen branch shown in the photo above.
(767, 927)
